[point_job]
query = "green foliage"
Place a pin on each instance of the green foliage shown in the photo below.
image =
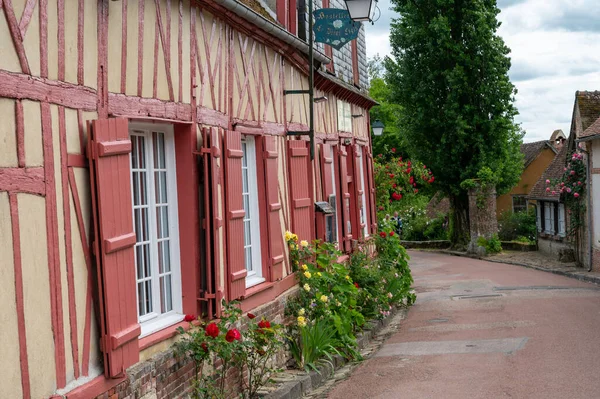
(335, 298)
(221, 341)
(492, 245)
(449, 73)
(313, 345)
(511, 226)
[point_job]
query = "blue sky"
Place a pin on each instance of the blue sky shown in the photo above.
(555, 51)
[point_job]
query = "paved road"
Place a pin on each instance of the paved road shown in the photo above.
(487, 330)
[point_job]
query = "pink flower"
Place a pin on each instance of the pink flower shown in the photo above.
(568, 189)
(572, 172)
(553, 192)
(547, 181)
(393, 150)
(547, 189)
(576, 195)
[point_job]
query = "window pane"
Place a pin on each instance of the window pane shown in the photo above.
(141, 299)
(162, 222)
(166, 295)
(244, 155)
(247, 233)
(139, 262)
(248, 258)
(148, 298)
(158, 140)
(141, 152)
(164, 257)
(147, 260)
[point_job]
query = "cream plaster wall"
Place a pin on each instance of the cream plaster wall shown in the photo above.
(71, 14)
(150, 33)
(52, 12)
(36, 294)
(10, 377)
(90, 39)
(115, 22)
(34, 152)
(8, 140)
(9, 60)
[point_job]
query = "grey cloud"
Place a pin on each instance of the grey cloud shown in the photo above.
(585, 18)
(502, 4)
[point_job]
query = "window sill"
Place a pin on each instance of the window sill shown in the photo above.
(253, 281)
(258, 288)
(160, 323)
(164, 334)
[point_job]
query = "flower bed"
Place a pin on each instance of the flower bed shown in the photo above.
(332, 306)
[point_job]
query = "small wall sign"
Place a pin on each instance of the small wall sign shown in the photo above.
(334, 27)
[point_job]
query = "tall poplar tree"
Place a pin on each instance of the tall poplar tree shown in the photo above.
(449, 72)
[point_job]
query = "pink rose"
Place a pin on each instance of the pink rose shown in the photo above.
(576, 195)
(547, 181)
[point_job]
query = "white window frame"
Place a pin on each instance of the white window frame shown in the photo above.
(155, 321)
(561, 220)
(363, 200)
(333, 202)
(549, 217)
(344, 116)
(252, 216)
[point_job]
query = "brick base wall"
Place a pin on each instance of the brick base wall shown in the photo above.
(166, 376)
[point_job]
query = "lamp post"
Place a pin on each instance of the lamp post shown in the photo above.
(377, 127)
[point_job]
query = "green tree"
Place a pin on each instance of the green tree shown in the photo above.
(391, 142)
(449, 73)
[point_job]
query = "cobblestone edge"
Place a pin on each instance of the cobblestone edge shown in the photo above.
(296, 384)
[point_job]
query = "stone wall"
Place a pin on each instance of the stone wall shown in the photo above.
(482, 216)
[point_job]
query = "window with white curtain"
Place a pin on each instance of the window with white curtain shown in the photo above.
(154, 194)
(539, 216)
(549, 217)
(561, 220)
(252, 255)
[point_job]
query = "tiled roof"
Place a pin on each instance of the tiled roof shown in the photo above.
(532, 150)
(589, 107)
(556, 134)
(592, 130)
(554, 171)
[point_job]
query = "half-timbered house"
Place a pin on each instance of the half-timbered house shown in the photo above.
(146, 173)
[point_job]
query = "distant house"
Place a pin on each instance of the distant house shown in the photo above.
(589, 139)
(552, 217)
(550, 210)
(537, 157)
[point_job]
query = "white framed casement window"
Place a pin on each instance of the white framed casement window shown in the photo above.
(154, 194)
(252, 255)
(561, 220)
(549, 217)
(344, 116)
(331, 224)
(363, 199)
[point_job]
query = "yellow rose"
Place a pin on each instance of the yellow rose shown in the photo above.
(306, 287)
(304, 267)
(304, 243)
(347, 277)
(319, 274)
(301, 312)
(324, 298)
(307, 274)
(301, 321)
(295, 237)
(292, 246)
(288, 235)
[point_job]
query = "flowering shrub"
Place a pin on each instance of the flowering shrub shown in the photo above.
(335, 298)
(221, 342)
(399, 180)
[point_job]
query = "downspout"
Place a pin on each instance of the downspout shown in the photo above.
(272, 29)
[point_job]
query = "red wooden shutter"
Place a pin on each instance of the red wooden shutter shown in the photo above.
(273, 207)
(370, 189)
(108, 148)
(345, 200)
(355, 67)
(301, 189)
(236, 276)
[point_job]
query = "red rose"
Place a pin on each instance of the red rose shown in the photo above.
(264, 324)
(189, 317)
(233, 335)
(212, 330)
(204, 346)
(394, 185)
(251, 316)
(381, 208)
(356, 285)
(391, 175)
(416, 191)
(393, 150)
(382, 234)
(391, 233)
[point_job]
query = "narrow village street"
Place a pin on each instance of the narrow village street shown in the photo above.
(487, 330)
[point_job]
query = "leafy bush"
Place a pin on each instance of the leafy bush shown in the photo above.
(336, 298)
(221, 342)
(492, 245)
(520, 224)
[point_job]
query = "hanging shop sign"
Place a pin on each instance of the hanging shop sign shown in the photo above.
(335, 27)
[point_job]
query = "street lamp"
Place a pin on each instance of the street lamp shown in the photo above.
(360, 10)
(377, 127)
